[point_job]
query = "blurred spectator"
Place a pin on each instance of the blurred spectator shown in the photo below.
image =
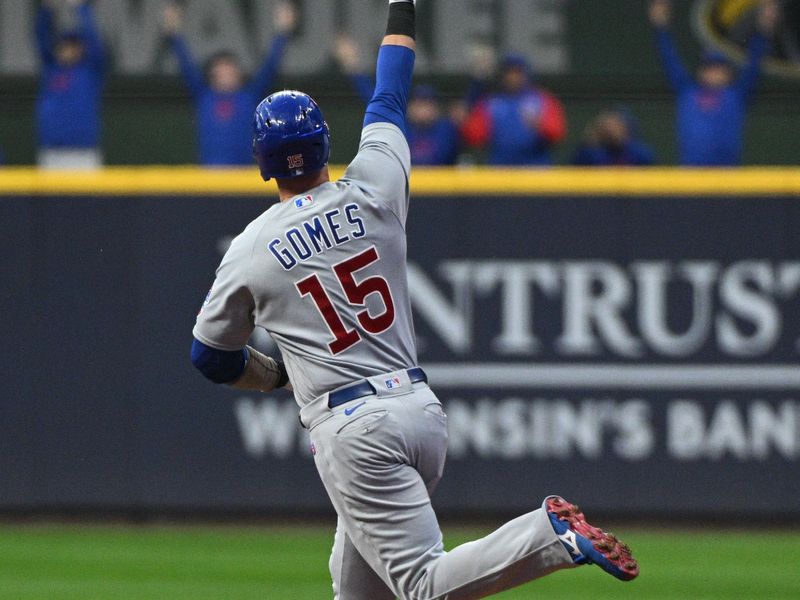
(69, 104)
(520, 123)
(612, 139)
(224, 100)
(712, 108)
(432, 136)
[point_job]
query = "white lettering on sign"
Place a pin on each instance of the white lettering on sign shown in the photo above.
(133, 34)
(593, 429)
(515, 428)
(660, 309)
(756, 432)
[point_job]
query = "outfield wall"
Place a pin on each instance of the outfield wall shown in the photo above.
(629, 338)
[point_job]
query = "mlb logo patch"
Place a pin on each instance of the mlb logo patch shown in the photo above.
(393, 383)
(304, 201)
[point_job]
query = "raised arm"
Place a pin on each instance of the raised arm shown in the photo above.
(191, 73)
(768, 17)
(350, 62)
(264, 77)
(44, 33)
(395, 67)
(95, 53)
(660, 17)
(382, 166)
(748, 80)
(285, 22)
(483, 69)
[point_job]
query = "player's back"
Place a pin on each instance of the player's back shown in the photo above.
(326, 274)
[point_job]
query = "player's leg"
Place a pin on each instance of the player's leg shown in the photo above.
(353, 578)
(370, 468)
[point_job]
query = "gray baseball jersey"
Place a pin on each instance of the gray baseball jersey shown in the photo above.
(325, 275)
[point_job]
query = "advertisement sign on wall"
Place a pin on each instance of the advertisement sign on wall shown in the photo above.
(635, 353)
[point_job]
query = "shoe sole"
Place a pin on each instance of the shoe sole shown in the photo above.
(615, 551)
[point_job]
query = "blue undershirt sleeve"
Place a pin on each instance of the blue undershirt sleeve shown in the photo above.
(392, 88)
(218, 366)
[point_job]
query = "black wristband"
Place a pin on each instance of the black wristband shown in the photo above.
(402, 19)
(284, 377)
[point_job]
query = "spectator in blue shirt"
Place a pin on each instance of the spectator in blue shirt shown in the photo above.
(711, 108)
(69, 104)
(224, 101)
(520, 123)
(612, 139)
(432, 137)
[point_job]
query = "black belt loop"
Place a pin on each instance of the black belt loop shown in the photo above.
(364, 388)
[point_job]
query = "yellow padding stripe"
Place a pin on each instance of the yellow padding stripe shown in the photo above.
(478, 181)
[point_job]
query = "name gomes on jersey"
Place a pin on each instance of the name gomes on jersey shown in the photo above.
(322, 232)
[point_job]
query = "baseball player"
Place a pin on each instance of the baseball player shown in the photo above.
(324, 271)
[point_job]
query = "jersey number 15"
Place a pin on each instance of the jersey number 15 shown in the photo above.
(356, 294)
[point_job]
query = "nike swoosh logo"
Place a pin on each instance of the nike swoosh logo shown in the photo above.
(350, 411)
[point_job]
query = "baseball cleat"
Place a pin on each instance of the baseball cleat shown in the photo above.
(589, 545)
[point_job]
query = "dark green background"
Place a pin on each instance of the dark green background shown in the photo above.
(613, 61)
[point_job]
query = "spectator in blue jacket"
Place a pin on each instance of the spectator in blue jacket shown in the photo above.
(224, 100)
(432, 137)
(68, 110)
(612, 139)
(520, 123)
(711, 108)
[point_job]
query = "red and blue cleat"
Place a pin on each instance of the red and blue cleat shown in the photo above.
(589, 545)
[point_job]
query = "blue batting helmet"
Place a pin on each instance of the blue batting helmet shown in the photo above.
(290, 137)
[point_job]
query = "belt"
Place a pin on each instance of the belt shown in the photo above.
(359, 390)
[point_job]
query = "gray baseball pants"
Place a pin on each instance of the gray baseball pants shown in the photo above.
(379, 465)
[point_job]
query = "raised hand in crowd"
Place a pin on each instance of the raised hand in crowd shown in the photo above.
(173, 19)
(348, 55)
(660, 13)
(769, 16)
(285, 17)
